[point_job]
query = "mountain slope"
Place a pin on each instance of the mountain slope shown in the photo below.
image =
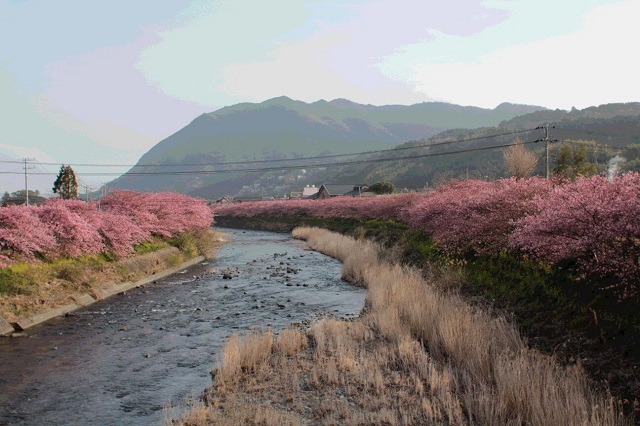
(612, 130)
(284, 128)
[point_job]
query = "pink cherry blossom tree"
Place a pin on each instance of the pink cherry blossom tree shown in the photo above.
(73, 228)
(133, 205)
(74, 233)
(23, 236)
(165, 214)
(475, 214)
(381, 207)
(593, 221)
(120, 234)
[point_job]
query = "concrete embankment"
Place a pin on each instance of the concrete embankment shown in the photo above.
(7, 328)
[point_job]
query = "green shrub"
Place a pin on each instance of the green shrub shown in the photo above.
(206, 242)
(148, 247)
(12, 283)
(174, 260)
(186, 243)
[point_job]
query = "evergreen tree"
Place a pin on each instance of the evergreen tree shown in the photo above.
(573, 162)
(66, 184)
(383, 188)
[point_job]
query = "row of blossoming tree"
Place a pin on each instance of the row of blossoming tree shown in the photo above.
(594, 222)
(72, 228)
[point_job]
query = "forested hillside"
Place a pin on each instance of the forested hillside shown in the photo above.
(606, 133)
(263, 150)
(282, 128)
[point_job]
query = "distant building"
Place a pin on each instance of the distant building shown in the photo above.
(337, 190)
(224, 200)
(306, 192)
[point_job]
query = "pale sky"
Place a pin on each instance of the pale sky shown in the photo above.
(85, 81)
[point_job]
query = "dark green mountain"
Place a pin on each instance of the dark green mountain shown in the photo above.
(282, 128)
(607, 132)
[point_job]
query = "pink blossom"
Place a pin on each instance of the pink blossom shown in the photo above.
(74, 228)
(166, 213)
(591, 220)
(22, 233)
(120, 234)
(74, 233)
(475, 214)
(385, 207)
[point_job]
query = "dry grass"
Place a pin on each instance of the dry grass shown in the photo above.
(237, 413)
(246, 355)
(207, 242)
(356, 256)
(419, 356)
(51, 286)
(346, 374)
(290, 342)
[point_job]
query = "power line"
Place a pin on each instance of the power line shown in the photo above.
(26, 178)
(306, 166)
(82, 185)
(547, 140)
(318, 157)
(46, 183)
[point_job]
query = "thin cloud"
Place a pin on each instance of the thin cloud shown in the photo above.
(593, 65)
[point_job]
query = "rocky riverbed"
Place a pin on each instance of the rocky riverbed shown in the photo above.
(121, 360)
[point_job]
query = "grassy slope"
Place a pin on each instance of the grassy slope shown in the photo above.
(556, 313)
(26, 289)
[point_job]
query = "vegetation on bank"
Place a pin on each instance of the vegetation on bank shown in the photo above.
(557, 313)
(26, 289)
(113, 226)
(51, 253)
(561, 256)
(592, 224)
(418, 355)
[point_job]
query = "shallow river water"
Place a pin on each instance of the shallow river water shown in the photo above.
(119, 361)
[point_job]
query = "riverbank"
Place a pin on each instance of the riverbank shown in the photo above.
(40, 292)
(418, 355)
(557, 314)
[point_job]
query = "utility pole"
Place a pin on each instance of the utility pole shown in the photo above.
(26, 178)
(547, 139)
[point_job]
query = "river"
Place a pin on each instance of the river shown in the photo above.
(119, 361)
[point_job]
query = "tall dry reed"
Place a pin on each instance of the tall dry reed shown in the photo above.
(242, 355)
(419, 355)
(343, 248)
(499, 380)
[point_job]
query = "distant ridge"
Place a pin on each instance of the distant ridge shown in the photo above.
(285, 128)
(517, 109)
